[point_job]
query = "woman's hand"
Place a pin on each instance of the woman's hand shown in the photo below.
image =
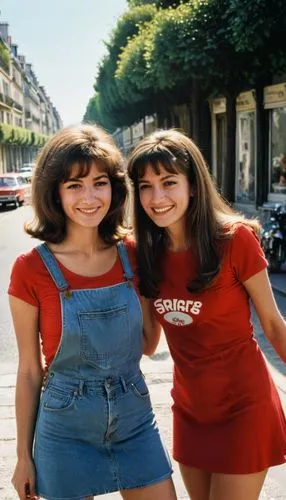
(24, 479)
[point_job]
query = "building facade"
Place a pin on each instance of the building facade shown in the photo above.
(27, 115)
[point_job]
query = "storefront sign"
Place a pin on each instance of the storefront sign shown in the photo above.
(246, 101)
(275, 96)
(218, 105)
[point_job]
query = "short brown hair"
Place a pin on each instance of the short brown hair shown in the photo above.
(82, 145)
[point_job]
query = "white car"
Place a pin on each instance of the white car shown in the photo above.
(27, 167)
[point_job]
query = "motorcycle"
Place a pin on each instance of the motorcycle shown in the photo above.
(273, 238)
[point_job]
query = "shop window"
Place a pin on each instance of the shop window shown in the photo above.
(245, 191)
(278, 150)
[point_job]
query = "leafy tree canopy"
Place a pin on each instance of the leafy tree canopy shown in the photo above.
(257, 29)
(92, 111)
(214, 41)
(226, 45)
(113, 106)
(128, 26)
(132, 76)
(164, 4)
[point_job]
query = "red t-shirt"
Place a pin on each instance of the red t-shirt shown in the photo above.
(201, 325)
(31, 282)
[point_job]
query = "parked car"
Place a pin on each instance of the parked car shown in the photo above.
(27, 167)
(15, 188)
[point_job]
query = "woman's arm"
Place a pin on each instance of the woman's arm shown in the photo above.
(28, 387)
(151, 328)
(272, 322)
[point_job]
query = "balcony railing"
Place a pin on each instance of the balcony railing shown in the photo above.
(18, 106)
(35, 119)
(6, 99)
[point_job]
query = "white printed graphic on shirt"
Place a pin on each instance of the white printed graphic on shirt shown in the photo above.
(178, 311)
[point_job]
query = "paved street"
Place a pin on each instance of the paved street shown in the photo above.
(158, 369)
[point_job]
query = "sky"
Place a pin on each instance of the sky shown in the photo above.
(64, 42)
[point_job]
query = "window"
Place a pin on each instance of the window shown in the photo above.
(246, 157)
(278, 150)
(8, 181)
(5, 88)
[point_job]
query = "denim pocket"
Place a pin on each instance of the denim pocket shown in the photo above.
(104, 335)
(140, 389)
(58, 399)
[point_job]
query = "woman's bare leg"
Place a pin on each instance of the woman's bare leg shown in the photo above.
(160, 491)
(197, 482)
(237, 486)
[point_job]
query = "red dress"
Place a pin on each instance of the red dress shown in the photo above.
(227, 413)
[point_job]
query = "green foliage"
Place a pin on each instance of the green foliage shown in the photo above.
(20, 136)
(4, 57)
(207, 40)
(91, 113)
(5, 133)
(132, 72)
(257, 30)
(158, 51)
(164, 4)
(38, 140)
(190, 42)
(127, 27)
(112, 105)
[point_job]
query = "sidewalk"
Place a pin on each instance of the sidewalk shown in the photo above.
(158, 371)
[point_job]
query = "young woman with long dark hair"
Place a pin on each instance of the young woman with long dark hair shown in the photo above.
(200, 263)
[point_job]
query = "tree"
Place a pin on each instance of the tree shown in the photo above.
(92, 111)
(113, 106)
(192, 50)
(204, 48)
(164, 4)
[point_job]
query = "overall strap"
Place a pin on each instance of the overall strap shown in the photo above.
(123, 254)
(52, 266)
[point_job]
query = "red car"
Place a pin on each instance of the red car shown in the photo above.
(14, 188)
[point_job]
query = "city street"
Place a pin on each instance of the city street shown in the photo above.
(158, 368)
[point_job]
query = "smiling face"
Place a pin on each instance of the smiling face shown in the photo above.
(165, 197)
(86, 200)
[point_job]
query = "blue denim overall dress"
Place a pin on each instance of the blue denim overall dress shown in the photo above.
(96, 431)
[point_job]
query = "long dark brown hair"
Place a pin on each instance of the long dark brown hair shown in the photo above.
(209, 219)
(82, 145)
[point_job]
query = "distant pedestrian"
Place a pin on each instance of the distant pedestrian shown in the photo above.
(73, 300)
(199, 264)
